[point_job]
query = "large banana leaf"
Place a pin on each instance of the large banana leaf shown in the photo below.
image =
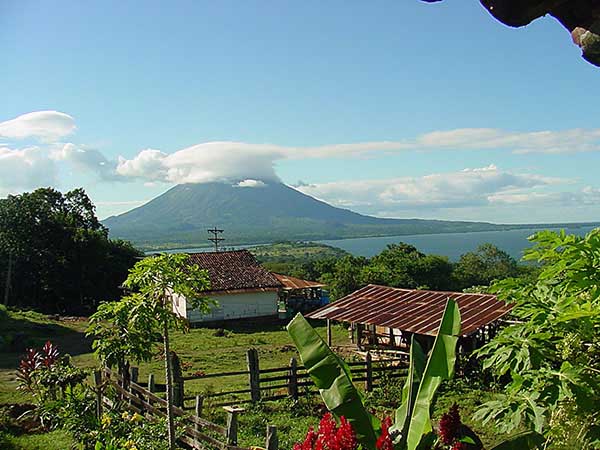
(332, 376)
(439, 367)
(527, 440)
(409, 392)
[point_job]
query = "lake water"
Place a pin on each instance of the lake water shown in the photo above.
(452, 245)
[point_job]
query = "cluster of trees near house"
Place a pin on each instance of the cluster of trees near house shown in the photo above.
(56, 256)
(403, 265)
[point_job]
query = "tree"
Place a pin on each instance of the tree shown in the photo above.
(345, 277)
(484, 265)
(129, 328)
(552, 355)
(409, 268)
(55, 255)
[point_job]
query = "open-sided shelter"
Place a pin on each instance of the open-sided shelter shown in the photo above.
(300, 295)
(388, 317)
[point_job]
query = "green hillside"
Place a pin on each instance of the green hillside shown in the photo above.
(275, 212)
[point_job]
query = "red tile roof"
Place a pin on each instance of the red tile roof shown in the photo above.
(235, 271)
(296, 283)
(412, 310)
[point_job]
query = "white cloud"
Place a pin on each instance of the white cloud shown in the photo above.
(469, 187)
(87, 159)
(562, 141)
(203, 163)
(47, 126)
(25, 169)
(251, 184)
(234, 161)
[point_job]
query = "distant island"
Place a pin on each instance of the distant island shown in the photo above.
(274, 212)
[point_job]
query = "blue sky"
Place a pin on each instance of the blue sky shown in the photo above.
(444, 112)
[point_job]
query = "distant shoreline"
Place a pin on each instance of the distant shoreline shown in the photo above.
(242, 244)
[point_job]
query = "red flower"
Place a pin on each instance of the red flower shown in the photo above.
(459, 446)
(384, 442)
(345, 435)
(450, 426)
(329, 436)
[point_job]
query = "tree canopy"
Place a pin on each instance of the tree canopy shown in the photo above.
(55, 255)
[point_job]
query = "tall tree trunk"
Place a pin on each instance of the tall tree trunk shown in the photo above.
(169, 386)
(8, 278)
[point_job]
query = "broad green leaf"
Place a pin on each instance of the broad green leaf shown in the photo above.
(332, 376)
(440, 366)
(409, 391)
(523, 441)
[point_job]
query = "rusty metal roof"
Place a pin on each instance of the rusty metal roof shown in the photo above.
(412, 310)
(293, 283)
(237, 270)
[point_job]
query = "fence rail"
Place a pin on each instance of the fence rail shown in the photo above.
(199, 434)
(291, 381)
(276, 383)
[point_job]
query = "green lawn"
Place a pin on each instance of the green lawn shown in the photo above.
(54, 440)
(210, 350)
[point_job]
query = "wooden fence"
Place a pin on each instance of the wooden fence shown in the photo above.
(199, 434)
(291, 381)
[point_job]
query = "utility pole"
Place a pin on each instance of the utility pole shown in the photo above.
(215, 239)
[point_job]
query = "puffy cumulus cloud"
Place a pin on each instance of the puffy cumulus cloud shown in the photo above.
(28, 168)
(47, 126)
(25, 169)
(469, 187)
(203, 163)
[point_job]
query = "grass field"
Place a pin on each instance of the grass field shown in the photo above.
(209, 350)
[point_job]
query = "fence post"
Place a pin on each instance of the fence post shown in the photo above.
(178, 384)
(369, 370)
(232, 423)
(135, 372)
(293, 379)
(151, 386)
(272, 440)
(253, 368)
(99, 388)
(198, 406)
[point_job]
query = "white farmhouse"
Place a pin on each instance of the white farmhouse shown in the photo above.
(241, 287)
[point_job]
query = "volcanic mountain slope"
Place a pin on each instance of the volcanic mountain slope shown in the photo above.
(273, 212)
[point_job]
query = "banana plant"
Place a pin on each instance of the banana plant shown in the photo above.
(333, 378)
(413, 419)
(412, 429)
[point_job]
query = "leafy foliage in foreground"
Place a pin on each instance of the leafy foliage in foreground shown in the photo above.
(552, 356)
(128, 329)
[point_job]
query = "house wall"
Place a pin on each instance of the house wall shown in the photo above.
(238, 306)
